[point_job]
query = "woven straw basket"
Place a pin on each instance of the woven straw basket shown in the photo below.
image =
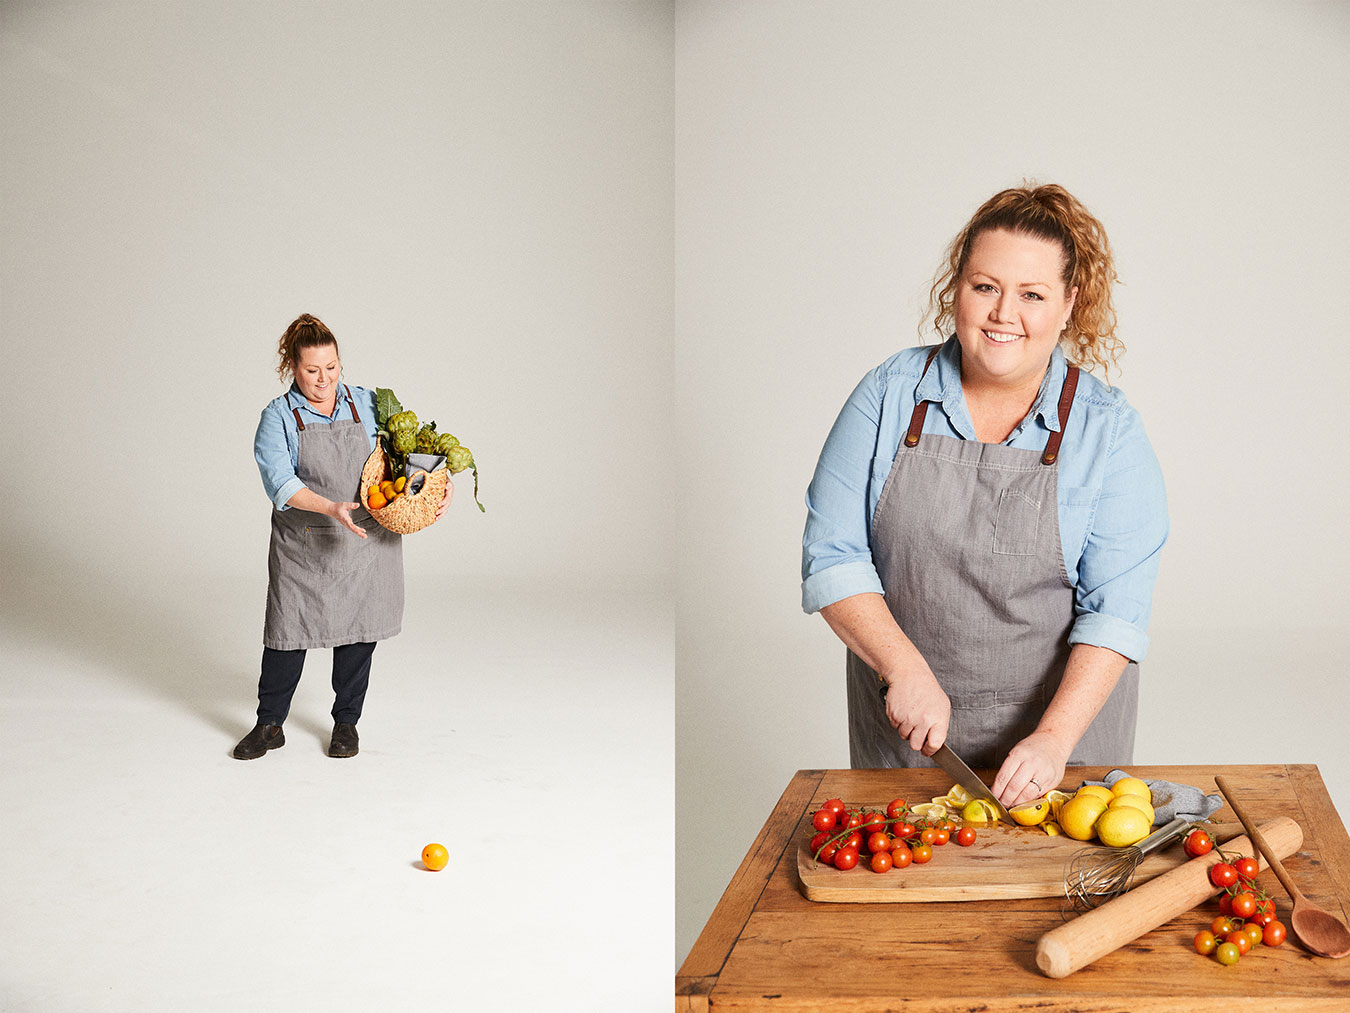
(407, 513)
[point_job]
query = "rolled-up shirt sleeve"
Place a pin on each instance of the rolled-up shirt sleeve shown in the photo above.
(276, 463)
(836, 545)
(1119, 562)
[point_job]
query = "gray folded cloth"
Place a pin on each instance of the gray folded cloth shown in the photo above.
(1171, 800)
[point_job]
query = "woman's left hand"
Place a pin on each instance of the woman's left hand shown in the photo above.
(445, 502)
(1033, 767)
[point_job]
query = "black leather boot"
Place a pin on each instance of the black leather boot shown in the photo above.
(260, 740)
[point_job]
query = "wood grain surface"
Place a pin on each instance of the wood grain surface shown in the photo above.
(766, 947)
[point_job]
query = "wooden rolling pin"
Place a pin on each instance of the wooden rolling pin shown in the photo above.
(1078, 943)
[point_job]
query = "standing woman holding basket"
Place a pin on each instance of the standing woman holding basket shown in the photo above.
(985, 521)
(334, 575)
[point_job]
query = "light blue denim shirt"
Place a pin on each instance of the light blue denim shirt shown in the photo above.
(1112, 505)
(276, 445)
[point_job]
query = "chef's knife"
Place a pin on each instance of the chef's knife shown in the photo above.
(966, 778)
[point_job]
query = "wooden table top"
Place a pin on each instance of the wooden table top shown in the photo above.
(768, 948)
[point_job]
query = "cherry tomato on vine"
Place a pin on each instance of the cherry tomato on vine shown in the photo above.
(1205, 943)
(1247, 868)
(922, 853)
(823, 820)
(853, 840)
(1274, 934)
(873, 822)
(827, 854)
(1226, 904)
(896, 809)
(879, 843)
(881, 861)
(1253, 932)
(905, 830)
(948, 826)
(1199, 843)
(1223, 875)
(942, 836)
(1221, 926)
(928, 835)
(818, 840)
(846, 859)
(1237, 937)
(852, 821)
(1262, 918)
(901, 856)
(1227, 953)
(836, 806)
(1244, 904)
(965, 836)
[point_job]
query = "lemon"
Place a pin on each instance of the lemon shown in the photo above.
(1077, 816)
(957, 797)
(1096, 789)
(1051, 828)
(1132, 786)
(1123, 826)
(930, 810)
(400, 482)
(1057, 799)
(1031, 814)
(978, 810)
(1133, 802)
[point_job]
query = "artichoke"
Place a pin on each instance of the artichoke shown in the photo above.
(405, 442)
(403, 422)
(426, 439)
(444, 443)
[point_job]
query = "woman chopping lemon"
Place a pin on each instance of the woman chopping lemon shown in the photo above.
(334, 576)
(985, 520)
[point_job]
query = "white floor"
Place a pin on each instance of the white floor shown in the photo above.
(143, 868)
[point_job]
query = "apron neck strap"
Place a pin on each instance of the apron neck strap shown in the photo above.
(921, 409)
(346, 390)
(1051, 453)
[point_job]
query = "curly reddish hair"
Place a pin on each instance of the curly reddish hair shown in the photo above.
(1047, 212)
(306, 331)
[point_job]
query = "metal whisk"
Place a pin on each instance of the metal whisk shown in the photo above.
(1095, 875)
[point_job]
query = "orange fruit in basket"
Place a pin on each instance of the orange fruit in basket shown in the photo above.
(435, 857)
(377, 500)
(399, 483)
(387, 487)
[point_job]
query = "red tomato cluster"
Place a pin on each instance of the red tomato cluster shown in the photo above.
(846, 837)
(1246, 914)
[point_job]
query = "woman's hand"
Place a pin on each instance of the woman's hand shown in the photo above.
(918, 709)
(1033, 767)
(445, 501)
(342, 513)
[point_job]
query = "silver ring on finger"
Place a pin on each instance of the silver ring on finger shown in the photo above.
(1036, 783)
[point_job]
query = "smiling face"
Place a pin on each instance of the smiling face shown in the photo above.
(316, 373)
(1010, 309)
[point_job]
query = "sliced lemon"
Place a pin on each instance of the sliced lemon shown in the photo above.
(1056, 799)
(958, 796)
(978, 810)
(1031, 814)
(1051, 828)
(930, 811)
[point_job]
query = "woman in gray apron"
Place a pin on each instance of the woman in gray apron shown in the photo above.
(334, 576)
(985, 520)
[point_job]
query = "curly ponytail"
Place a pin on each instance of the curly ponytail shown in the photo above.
(306, 331)
(1047, 212)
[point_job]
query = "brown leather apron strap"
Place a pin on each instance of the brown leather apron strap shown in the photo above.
(348, 390)
(1051, 453)
(300, 425)
(921, 409)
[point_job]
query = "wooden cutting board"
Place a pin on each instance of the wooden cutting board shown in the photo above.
(1004, 862)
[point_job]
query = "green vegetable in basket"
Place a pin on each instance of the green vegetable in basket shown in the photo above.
(403, 422)
(444, 443)
(426, 439)
(405, 443)
(458, 458)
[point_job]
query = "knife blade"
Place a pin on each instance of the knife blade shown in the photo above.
(968, 780)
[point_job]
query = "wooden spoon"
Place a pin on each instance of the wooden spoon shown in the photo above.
(1320, 931)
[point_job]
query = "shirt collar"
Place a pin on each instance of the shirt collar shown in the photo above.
(297, 400)
(942, 383)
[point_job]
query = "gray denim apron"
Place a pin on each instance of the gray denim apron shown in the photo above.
(326, 586)
(966, 542)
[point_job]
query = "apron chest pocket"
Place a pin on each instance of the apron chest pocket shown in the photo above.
(1015, 528)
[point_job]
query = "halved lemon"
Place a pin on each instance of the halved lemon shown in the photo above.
(930, 810)
(958, 796)
(1056, 799)
(1031, 814)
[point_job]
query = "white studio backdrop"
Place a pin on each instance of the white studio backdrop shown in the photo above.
(825, 156)
(475, 197)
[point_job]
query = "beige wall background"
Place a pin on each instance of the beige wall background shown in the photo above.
(825, 155)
